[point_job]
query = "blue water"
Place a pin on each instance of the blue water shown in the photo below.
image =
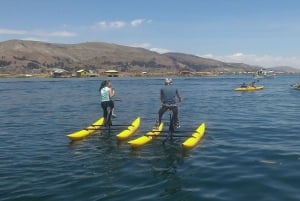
(250, 150)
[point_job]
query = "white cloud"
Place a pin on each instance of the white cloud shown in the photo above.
(12, 31)
(149, 47)
(209, 56)
(62, 34)
(34, 39)
(107, 25)
(119, 24)
(37, 33)
(259, 60)
(159, 50)
(137, 22)
(142, 45)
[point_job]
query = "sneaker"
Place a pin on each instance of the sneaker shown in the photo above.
(177, 125)
(156, 123)
(113, 115)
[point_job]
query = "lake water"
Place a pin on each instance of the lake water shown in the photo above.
(250, 150)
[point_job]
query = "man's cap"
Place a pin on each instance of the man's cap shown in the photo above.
(168, 81)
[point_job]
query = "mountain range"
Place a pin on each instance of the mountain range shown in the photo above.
(20, 56)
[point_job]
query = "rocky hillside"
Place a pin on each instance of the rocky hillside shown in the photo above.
(17, 56)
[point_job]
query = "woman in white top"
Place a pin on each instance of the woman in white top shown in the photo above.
(107, 92)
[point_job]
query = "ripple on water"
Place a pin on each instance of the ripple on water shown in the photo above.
(250, 150)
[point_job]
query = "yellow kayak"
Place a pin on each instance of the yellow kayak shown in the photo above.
(191, 142)
(142, 140)
(78, 135)
(132, 128)
(249, 88)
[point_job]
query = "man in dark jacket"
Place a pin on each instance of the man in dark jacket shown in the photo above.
(168, 96)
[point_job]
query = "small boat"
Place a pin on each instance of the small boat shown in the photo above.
(150, 135)
(249, 88)
(131, 129)
(263, 73)
(296, 87)
(192, 141)
(78, 135)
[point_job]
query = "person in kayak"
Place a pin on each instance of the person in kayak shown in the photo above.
(244, 85)
(253, 84)
(297, 85)
(168, 96)
(106, 93)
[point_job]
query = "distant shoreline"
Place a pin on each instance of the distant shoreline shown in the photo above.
(101, 76)
(159, 74)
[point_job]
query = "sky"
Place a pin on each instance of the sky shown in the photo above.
(256, 32)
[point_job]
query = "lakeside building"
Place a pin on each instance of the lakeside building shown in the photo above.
(112, 73)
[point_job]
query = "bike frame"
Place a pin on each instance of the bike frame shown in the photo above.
(171, 123)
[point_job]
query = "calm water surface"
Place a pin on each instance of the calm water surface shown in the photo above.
(250, 150)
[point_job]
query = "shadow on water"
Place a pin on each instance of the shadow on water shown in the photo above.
(166, 165)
